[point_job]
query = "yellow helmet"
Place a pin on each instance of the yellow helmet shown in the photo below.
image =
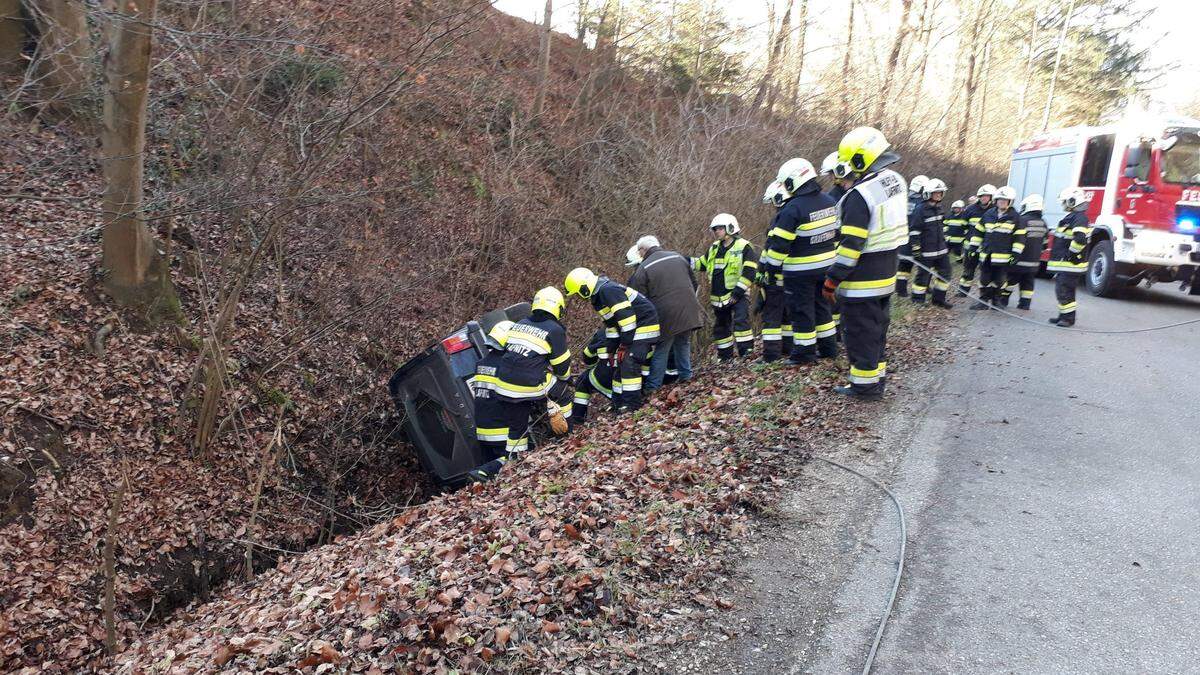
(581, 281)
(862, 149)
(498, 335)
(549, 299)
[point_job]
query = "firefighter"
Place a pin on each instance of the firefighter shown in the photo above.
(927, 240)
(801, 248)
(873, 224)
(956, 230)
(1023, 271)
(597, 377)
(731, 265)
(837, 186)
(999, 240)
(534, 367)
(491, 429)
(633, 318)
(772, 304)
(973, 214)
(1067, 260)
(915, 189)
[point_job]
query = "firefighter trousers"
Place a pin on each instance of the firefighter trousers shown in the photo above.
(491, 426)
(904, 270)
(970, 264)
(864, 333)
(956, 250)
(991, 280)
(732, 326)
(1020, 279)
(596, 379)
(776, 324)
(1065, 284)
(814, 331)
(627, 381)
(940, 282)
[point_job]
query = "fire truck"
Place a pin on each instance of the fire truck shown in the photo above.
(1144, 180)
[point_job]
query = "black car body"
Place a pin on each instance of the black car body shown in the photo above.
(431, 394)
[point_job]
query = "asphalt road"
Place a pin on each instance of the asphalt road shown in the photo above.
(1052, 485)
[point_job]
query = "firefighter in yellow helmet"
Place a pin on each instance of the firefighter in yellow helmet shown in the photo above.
(873, 223)
(633, 327)
(534, 367)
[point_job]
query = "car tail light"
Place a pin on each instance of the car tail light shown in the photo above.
(456, 343)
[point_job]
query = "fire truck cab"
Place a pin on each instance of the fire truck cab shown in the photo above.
(1144, 179)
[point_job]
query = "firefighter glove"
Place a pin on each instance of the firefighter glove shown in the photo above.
(558, 423)
(829, 290)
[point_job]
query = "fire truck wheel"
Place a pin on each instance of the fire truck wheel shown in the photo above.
(1102, 270)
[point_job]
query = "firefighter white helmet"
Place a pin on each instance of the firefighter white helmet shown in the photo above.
(1073, 198)
(775, 194)
(917, 184)
(1031, 203)
(726, 221)
(497, 337)
(794, 173)
(633, 257)
(958, 204)
(549, 299)
(828, 164)
(986, 190)
(1007, 193)
(931, 186)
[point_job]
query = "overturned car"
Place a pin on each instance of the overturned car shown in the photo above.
(431, 394)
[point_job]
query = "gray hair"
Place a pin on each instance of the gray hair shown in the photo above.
(647, 242)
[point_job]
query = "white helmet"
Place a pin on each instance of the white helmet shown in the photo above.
(917, 184)
(633, 257)
(931, 186)
(958, 204)
(1031, 203)
(986, 190)
(775, 194)
(726, 221)
(827, 164)
(1007, 192)
(794, 173)
(1074, 197)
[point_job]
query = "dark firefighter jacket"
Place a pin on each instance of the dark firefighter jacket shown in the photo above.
(626, 311)
(536, 354)
(999, 235)
(801, 240)
(1070, 240)
(926, 237)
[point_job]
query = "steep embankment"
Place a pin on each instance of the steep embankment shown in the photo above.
(576, 556)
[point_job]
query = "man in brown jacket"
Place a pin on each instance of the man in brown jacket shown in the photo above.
(666, 278)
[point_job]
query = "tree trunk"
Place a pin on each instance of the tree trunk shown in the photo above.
(768, 86)
(969, 84)
(846, 79)
(136, 276)
(539, 100)
(793, 93)
(12, 37)
(64, 54)
(893, 62)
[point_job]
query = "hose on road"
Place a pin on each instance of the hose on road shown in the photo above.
(887, 611)
(1043, 324)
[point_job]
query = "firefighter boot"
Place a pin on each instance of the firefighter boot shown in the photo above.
(939, 299)
(985, 299)
(902, 285)
(1066, 320)
(1024, 303)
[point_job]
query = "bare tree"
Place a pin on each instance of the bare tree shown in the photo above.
(539, 100)
(64, 54)
(136, 275)
(12, 36)
(893, 61)
(768, 86)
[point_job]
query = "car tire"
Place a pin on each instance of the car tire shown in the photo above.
(1102, 270)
